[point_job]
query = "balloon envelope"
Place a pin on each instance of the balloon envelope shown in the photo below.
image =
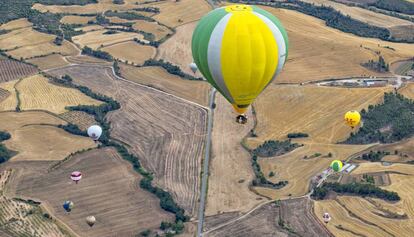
(326, 217)
(90, 220)
(94, 132)
(68, 205)
(240, 49)
(76, 176)
(193, 67)
(352, 118)
(336, 165)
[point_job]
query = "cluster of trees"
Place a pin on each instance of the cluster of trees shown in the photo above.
(297, 135)
(148, 9)
(391, 121)
(119, 2)
(5, 154)
(378, 66)
(405, 7)
(172, 69)
(368, 178)
(101, 20)
(97, 53)
(261, 180)
(361, 189)
(374, 156)
(176, 228)
(128, 15)
(74, 129)
(58, 40)
(66, 2)
(275, 148)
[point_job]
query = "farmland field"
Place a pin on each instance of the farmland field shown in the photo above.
(230, 165)
(50, 61)
(408, 91)
(16, 24)
(317, 111)
(10, 102)
(157, 77)
(80, 118)
(76, 19)
(123, 210)
(131, 51)
(34, 136)
(96, 39)
(159, 31)
(12, 70)
(165, 132)
(101, 6)
(299, 171)
(36, 93)
(84, 59)
(177, 49)
(18, 218)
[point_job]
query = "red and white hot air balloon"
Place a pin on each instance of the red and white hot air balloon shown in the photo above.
(76, 176)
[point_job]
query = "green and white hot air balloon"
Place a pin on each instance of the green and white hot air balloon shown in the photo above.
(240, 49)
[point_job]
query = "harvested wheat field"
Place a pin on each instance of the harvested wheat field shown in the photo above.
(27, 43)
(20, 218)
(317, 111)
(405, 149)
(4, 94)
(131, 51)
(10, 102)
(344, 223)
(165, 132)
(298, 215)
(159, 31)
(177, 49)
(174, 13)
(101, 6)
(48, 62)
(81, 20)
(34, 136)
(298, 170)
(320, 52)
(36, 93)
(157, 77)
(11, 70)
(97, 39)
(407, 90)
(109, 191)
(84, 59)
(261, 222)
(80, 118)
(364, 15)
(230, 166)
(16, 24)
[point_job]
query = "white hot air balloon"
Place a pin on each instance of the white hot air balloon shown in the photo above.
(193, 67)
(94, 132)
(326, 217)
(76, 176)
(90, 220)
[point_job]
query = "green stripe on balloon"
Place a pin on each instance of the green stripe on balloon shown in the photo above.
(201, 38)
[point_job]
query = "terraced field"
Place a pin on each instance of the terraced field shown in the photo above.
(11, 70)
(109, 191)
(165, 132)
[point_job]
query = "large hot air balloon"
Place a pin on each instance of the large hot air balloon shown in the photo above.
(336, 165)
(76, 176)
(68, 205)
(326, 217)
(94, 132)
(352, 118)
(90, 220)
(240, 49)
(193, 67)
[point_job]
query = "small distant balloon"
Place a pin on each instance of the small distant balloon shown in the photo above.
(326, 217)
(68, 205)
(90, 220)
(336, 165)
(193, 67)
(76, 176)
(94, 132)
(352, 118)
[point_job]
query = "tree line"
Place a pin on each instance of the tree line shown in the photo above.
(172, 69)
(275, 148)
(97, 53)
(5, 154)
(390, 121)
(361, 189)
